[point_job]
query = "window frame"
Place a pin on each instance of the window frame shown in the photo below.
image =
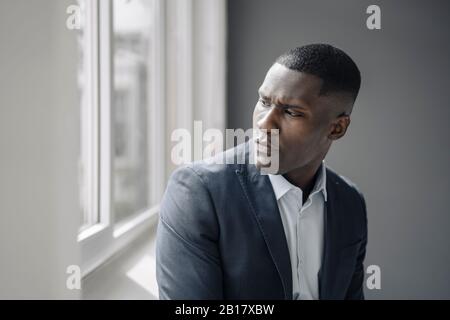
(90, 115)
(193, 39)
(103, 239)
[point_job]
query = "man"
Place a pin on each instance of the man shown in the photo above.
(230, 232)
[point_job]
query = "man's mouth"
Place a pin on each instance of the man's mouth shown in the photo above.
(265, 148)
(266, 144)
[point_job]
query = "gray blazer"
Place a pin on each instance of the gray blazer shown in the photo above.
(220, 235)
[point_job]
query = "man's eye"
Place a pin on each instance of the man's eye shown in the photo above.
(264, 103)
(293, 113)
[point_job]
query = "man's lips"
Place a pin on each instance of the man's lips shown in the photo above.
(265, 149)
(265, 144)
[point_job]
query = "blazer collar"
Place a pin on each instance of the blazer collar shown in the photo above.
(281, 185)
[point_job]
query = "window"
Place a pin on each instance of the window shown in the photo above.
(142, 74)
(119, 86)
(132, 42)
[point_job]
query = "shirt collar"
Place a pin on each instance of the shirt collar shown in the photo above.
(281, 186)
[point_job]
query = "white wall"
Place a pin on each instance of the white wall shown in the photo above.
(39, 117)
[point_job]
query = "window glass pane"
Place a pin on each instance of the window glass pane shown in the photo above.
(131, 38)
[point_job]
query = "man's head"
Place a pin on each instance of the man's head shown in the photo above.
(308, 95)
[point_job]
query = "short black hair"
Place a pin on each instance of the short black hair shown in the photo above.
(337, 70)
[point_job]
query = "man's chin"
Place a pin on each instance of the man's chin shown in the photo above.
(266, 166)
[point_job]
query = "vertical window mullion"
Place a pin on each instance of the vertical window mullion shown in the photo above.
(88, 83)
(106, 73)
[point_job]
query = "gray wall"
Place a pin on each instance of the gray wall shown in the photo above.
(396, 149)
(39, 207)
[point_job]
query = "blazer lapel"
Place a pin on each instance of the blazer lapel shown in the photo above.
(259, 192)
(330, 258)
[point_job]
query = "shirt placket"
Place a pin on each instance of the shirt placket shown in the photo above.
(300, 255)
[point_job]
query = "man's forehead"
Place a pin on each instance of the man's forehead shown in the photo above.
(283, 82)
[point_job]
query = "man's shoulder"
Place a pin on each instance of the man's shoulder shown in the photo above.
(345, 189)
(219, 167)
(343, 183)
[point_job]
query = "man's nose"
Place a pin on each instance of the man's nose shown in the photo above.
(269, 120)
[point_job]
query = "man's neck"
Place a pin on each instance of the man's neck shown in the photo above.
(304, 178)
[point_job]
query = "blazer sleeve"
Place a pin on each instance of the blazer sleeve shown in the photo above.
(356, 288)
(187, 254)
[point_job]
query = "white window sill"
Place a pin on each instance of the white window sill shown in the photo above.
(129, 274)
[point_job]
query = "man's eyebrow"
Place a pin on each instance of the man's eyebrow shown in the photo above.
(301, 105)
(287, 105)
(294, 105)
(262, 95)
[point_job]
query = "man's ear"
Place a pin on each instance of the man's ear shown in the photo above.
(339, 127)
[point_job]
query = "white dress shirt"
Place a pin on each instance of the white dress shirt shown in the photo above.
(303, 225)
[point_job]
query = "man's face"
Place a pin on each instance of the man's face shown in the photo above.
(290, 102)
